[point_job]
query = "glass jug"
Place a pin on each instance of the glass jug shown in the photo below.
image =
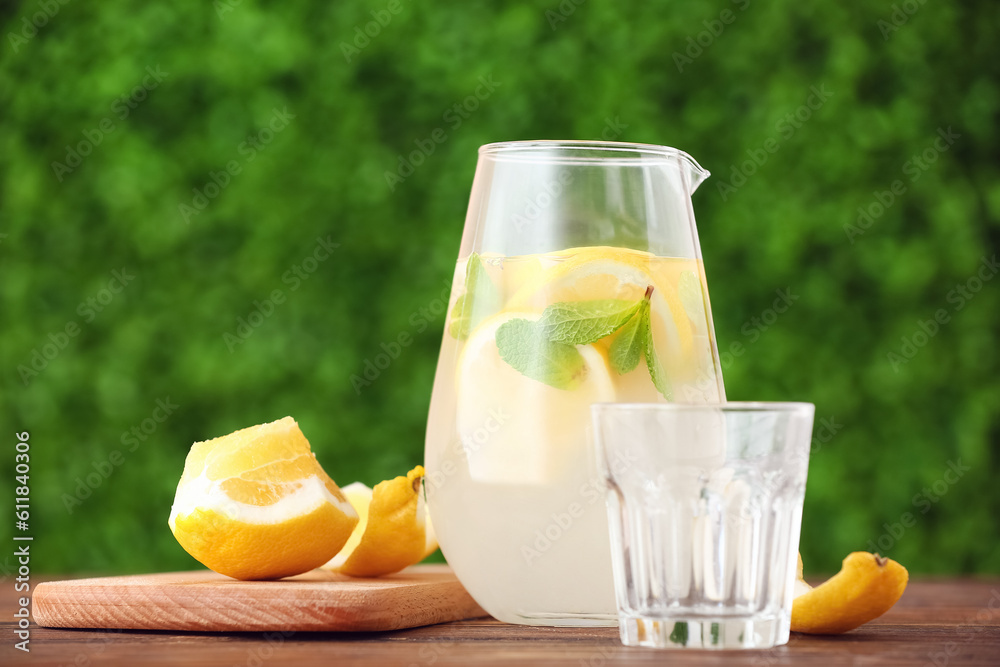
(579, 280)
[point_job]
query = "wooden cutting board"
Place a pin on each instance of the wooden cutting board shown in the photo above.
(209, 602)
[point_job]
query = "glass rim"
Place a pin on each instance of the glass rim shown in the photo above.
(620, 152)
(728, 406)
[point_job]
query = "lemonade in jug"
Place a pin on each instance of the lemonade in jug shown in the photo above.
(579, 281)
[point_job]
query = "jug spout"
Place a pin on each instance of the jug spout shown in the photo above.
(695, 173)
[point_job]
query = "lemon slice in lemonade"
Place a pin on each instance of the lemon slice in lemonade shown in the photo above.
(605, 272)
(514, 429)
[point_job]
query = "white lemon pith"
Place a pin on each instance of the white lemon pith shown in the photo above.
(800, 586)
(256, 504)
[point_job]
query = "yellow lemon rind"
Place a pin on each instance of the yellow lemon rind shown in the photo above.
(866, 587)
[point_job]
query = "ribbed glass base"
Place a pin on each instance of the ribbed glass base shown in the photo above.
(706, 633)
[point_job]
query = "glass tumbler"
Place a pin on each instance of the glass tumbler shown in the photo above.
(705, 507)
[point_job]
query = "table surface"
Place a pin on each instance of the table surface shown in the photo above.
(939, 623)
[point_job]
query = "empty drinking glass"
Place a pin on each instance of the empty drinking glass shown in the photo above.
(705, 506)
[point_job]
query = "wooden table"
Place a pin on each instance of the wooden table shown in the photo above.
(937, 623)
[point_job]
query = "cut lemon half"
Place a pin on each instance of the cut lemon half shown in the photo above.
(514, 429)
(256, 504)
(394, 531)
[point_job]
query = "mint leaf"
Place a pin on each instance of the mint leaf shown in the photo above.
(680, 633)
(656, 372)
(459, 323)
(480, 299)
(628, 346)
(586, 322)
(524, 346)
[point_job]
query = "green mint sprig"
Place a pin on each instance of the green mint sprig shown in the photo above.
(586, 322)
(545, 350)
(630, 344)
(480, 298)
(524, 347)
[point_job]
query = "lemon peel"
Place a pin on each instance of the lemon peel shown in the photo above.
(393, 532)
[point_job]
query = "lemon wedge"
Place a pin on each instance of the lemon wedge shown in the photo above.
(866, 587)
(394, 531)
(256, 504)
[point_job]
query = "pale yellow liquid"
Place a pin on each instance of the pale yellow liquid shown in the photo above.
(513, 487)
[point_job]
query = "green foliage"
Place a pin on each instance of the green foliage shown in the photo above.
(243, 312)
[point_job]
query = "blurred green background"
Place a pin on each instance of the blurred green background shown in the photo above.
(113, 115)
